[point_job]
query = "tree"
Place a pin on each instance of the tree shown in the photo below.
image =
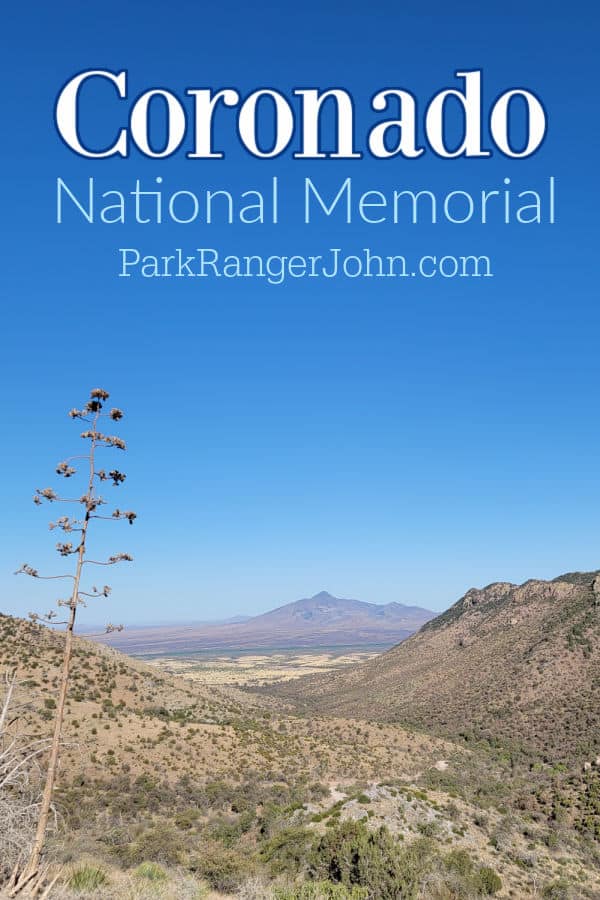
(74, 544)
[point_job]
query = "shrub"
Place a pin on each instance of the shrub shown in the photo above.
(287, 851)
(558, 890)
(161, 843)
(87, 878)
(488, 881)
(187, 818)
(350, 854)
(222, 867)
(460, 862)
(429, 829)
(321, 890)
(150, 871)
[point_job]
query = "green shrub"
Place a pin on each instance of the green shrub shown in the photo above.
(161, 843)
(321, 890)
(222, 867)
(589, 802)
(287, 851)
(558, 890)
(460, 862)
(488, 881)
(429, 829)
(187, 818)
(87, 878)
(350, 854)
(151, 871)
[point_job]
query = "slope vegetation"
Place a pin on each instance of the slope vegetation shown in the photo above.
(514, 663)
(171, 790)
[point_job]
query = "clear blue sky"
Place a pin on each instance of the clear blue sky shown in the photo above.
(388, 441)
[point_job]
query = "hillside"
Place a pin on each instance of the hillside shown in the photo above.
(319, 621)
(123, 714)
(520, 664)
(193, 786)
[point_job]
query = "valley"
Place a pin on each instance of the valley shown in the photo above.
(463, 762)
(258, 669)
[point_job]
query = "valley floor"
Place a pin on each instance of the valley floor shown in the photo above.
(259, 669)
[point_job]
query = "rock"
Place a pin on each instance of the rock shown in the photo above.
(587, 766)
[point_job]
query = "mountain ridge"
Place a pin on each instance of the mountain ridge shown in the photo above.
(317, 621)
(518, 663)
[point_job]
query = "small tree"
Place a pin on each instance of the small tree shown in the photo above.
(91, 504)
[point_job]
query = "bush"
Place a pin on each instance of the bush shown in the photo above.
(321, 890)
(350, 854)
(488, 881)
(151, 871)
(460, 862)
(87, 878)
(161, 843)
(187, 818)
(558, 890)
(222, 867)
(287, 851)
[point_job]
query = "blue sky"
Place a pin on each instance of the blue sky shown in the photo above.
(385, 442)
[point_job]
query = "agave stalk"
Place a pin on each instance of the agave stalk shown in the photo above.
(91, 413)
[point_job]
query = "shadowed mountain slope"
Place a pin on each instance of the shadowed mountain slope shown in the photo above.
(519, 663)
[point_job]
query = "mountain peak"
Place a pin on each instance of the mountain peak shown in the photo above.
(318, 621)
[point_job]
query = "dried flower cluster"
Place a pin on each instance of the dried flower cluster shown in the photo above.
(63, 468)
(45, 494)
(65, 549)
(65, 523)
(116, 476)
(128, 514)
(120, 557)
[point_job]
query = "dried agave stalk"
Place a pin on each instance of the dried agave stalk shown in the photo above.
(28, 879)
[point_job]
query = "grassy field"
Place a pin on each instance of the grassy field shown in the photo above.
(258, 668)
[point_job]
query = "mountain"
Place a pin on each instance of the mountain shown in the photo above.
(516, 663)
(319, 621)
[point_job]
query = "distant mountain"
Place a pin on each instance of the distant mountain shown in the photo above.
(520, 663)
(319, 621)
